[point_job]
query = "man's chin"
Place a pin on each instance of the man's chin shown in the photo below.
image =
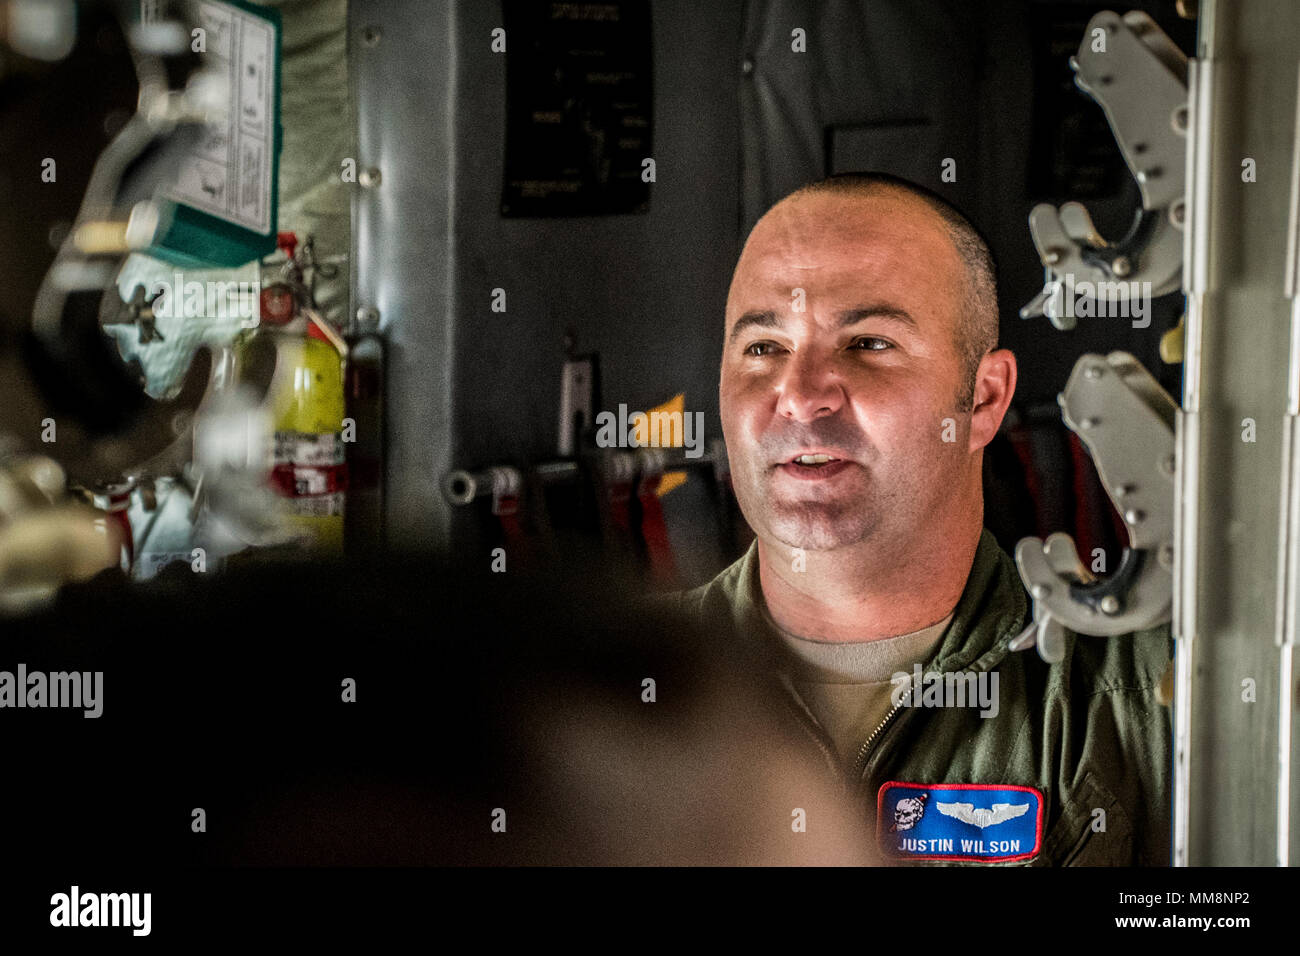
(819, 532)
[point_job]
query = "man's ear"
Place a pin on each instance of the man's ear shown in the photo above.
(995, 383)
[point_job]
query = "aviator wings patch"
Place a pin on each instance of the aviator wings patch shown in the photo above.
(983, 816)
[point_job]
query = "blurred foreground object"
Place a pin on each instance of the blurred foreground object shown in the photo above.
(46, 539)
(491, 719)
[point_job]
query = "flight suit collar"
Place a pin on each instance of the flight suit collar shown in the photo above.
(990, 613)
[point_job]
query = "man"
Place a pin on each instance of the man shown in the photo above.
(860, 383)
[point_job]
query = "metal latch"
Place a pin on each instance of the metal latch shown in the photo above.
(1139, 78)
(1126, 422)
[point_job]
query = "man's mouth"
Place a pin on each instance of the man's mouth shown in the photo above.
(812, 461)
(814, 466)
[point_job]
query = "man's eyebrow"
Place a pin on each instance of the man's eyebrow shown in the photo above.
(762, 319)
(768, 319)
(852, 316)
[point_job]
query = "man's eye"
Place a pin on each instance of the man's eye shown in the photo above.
(865, 343)
(760, 349)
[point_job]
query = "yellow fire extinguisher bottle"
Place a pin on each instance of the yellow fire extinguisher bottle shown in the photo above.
(307, 401)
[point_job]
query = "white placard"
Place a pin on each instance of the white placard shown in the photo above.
(229, 173)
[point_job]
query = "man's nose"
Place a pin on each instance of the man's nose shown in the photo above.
(809, 388)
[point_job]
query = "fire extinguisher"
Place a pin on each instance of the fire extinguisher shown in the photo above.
(306, 398)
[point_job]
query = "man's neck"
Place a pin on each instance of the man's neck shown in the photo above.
(868, 592)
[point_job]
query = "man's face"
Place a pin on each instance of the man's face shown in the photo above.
(840, 342)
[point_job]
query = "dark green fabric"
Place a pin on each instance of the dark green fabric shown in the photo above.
(1087, 731)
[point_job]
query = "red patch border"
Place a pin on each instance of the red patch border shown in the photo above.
(1038, 827)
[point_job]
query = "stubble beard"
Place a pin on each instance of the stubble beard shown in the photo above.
(816, 526)
(822, 524)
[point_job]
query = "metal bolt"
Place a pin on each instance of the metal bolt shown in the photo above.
(368, 318)
(1110, 604)
(1168, 464)
(747, 66)
(1178, 213)
(370, 177)
(1052, 256)
(1166, 555)
(1121, 266)
(1089, 423)
(1093, 372)
(1134, 516)
(1179, 119)
(1041, 592)
(370, 35)
(1124, 490)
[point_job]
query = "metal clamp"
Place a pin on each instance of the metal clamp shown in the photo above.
(1126, 422)
(502, 482)
(1139, 78)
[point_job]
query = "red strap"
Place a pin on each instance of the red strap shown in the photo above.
(1019, 437)
(618, 499)
(1093, 508)
(506, 510)
(654, 531)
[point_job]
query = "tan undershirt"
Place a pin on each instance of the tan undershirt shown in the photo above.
(847, 686)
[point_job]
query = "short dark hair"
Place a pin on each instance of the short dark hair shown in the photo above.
(977, 321)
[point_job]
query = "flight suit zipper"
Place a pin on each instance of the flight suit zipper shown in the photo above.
(860, 762)
(812, 726)
(867, 748)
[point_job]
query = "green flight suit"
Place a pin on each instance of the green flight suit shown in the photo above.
(1087, 732)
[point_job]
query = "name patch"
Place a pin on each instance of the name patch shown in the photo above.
(979, 822)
